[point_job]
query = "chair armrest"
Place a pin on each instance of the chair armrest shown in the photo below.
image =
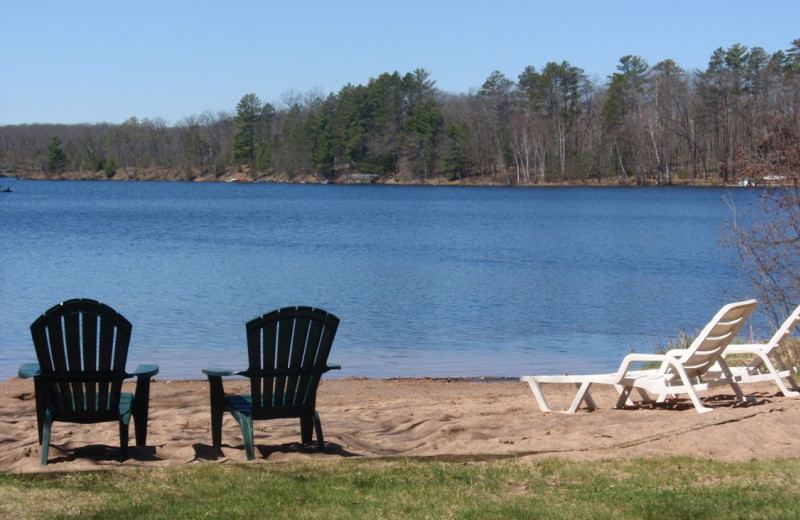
(676, 352)
(646, 357)
(29, 370)
(215, 388)
(334, 367)
(631, 359)
(219, 372)
(147, 371)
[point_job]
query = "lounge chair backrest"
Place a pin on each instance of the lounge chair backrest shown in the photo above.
(82, 348)
(288, 353)
(708, 346)
(783, 333)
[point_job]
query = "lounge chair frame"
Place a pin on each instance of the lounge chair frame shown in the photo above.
(681, 371)
(766, 363)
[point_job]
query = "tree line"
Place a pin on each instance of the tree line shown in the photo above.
(644, 124)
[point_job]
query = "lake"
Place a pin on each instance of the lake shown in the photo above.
(427, 281)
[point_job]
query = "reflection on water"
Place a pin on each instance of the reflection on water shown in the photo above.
(427, 281)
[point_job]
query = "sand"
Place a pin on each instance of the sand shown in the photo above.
(436, 418)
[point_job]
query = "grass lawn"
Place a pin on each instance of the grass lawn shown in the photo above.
(661, 488)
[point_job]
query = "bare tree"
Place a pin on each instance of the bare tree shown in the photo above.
(767, 234)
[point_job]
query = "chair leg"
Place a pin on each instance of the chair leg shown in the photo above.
(698, 404)
(47, 426)
(41, 404)
(732, 382)
(628, 401)
(306, 429)
(217, 398)
(140, 411)
(624, 396)
(786, 392)
(583, 395)
(124, 428)
(537, 393)
(318, 427)
(794, 392)
(246, 424)
(216, 426)
(309, 425)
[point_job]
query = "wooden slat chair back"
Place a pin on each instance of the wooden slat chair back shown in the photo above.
(82, 346)
(287, 355)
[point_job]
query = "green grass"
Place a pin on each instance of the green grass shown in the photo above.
(663, 488)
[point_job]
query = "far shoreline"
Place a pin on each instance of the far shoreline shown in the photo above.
(170, 176)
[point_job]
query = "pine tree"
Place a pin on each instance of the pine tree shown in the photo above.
(248, 114)
(56, 157)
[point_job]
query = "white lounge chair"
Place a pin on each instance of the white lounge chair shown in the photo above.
(682, 371)
(761, 367)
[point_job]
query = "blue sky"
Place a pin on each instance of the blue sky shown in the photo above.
(87, 61)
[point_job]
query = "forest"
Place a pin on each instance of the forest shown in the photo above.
(643, 124)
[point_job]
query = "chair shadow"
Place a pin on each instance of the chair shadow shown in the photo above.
(730, 401)
(713, 401)
(102, 453)
(208, 452)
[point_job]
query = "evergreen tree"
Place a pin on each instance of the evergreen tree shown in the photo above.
(248, 114)
(456, 163)
(56, 157)
(792, 57)
(422, 122)
(324, 142)
(622, 115)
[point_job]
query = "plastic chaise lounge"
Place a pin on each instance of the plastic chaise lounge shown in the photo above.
(681, 371)
(82, 348)
(288, 353)
(766, 363)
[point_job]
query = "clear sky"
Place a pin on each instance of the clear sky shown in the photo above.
(87, 61)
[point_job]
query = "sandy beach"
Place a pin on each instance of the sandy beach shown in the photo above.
(442, 418)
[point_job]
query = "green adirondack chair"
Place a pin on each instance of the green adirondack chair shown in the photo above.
(82, 347)
(287, 354)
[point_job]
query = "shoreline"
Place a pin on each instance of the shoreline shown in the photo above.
(149, 175)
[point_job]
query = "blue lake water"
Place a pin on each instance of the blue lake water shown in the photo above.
(428, 281)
